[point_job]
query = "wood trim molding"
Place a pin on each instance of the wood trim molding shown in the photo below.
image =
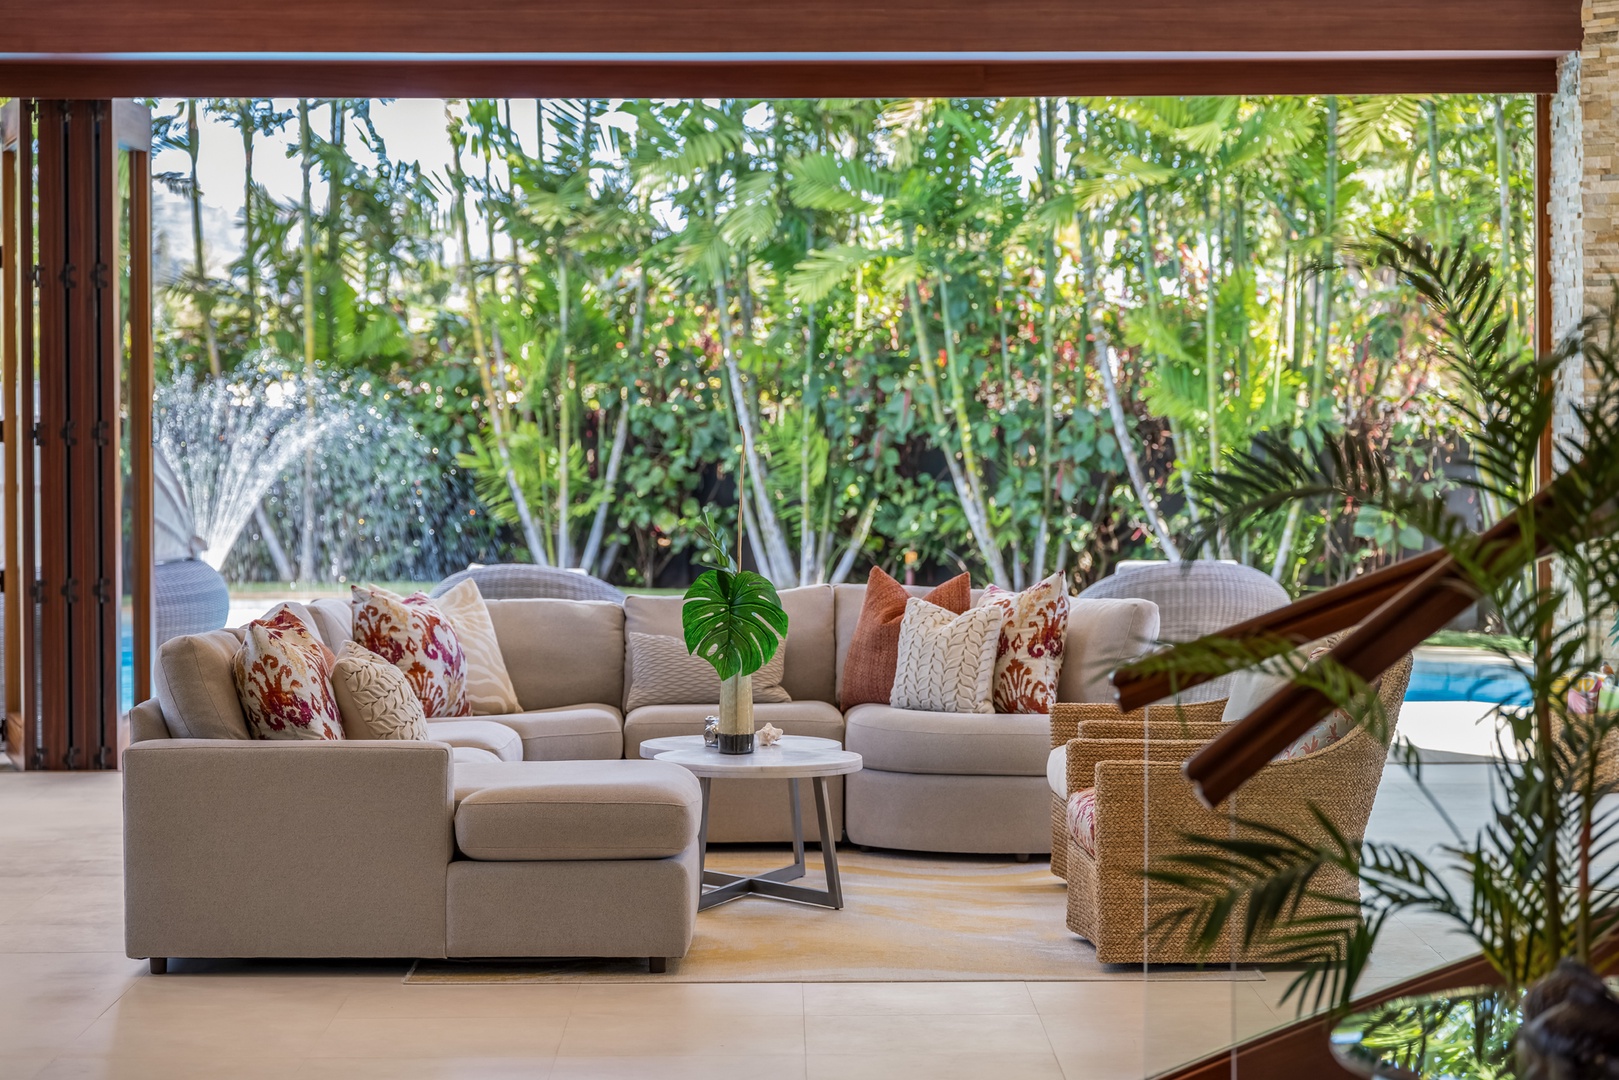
(333, 77)
(237, 28)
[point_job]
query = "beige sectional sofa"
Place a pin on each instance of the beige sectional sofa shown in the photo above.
(542, 833)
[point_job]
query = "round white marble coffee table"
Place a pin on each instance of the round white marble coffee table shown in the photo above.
(793, 758)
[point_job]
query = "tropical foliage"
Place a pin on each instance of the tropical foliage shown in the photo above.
(1535, 884)
(999, 334)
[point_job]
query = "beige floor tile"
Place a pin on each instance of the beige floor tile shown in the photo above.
(1021, 1066)
(686, 999)
(720, 1033)
(916, 999)
(169, 1067)
(938, 1034)
(468, 1068)
(19, 1067)
(399, 1000)
(456, 1037)
(1112, 1003)
(35, 1034)
(724, 1067)
(190, 1034)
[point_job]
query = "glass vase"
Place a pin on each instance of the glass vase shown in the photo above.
(736, 715)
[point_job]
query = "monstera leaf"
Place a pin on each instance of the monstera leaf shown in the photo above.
(734, 620)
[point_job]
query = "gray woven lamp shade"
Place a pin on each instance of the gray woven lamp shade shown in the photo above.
(1195, 597)
(525, 581)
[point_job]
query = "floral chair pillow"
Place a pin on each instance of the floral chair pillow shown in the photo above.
(411, 633)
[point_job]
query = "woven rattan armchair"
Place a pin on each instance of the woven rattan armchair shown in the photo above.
(1144, 807)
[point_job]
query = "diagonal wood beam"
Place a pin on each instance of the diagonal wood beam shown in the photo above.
(1393, 613)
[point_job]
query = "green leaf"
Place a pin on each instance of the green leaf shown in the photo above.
(734, 621)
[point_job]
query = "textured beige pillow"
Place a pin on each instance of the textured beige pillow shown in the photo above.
(489, 687)
(662, 672)
(946, 661)
(374, 697)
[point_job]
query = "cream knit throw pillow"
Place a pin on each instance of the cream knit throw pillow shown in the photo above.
(374, 697)
(946, 661)
(489, 686)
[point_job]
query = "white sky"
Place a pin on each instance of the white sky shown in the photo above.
(411, 129)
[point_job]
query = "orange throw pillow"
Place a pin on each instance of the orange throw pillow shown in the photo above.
(868, 669)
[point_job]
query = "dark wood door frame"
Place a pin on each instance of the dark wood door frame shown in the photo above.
(64, 362)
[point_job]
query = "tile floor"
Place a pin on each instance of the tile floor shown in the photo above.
(71, 1004)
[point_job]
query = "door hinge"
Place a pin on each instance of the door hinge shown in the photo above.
(36, 591)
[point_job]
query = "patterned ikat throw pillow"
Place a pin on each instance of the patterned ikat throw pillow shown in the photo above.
(283, 677)
(411, 633)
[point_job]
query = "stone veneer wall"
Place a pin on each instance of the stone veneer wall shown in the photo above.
(1584, 194)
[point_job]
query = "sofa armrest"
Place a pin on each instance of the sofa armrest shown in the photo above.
(286, 848)
(1085, 756)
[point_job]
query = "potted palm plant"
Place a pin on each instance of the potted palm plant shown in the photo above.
(1535, 887)
(733, 618)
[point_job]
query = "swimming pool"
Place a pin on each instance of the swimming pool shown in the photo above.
(1470, 675)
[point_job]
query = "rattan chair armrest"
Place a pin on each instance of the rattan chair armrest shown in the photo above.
(1067, 716)
(1152, 730)
(1084, 755)
(1196, 712)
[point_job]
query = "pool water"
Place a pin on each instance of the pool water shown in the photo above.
(1467, 677)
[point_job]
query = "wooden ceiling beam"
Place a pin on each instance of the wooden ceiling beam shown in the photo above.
(1149, 27)
(71, 77)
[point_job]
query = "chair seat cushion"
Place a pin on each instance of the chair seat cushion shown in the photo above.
(472, 755)
(959, 744)
(1082, 819)
(577, 733)
(815, 718)
(1057, 771)
(558, 811)
(496, 739)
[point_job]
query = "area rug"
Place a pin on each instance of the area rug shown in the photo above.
(907, 918)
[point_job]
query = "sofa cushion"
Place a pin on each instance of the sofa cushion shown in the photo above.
(1057, 771)
(196, 686)
(591, 731)
(961, 744)
(808, 652)
(662, 672)
(576, 810)
(873, 635)
(815, 718)
(472, 755)
(374, 698)
(1102, 634)
(334, 619)
(411, 633)
(283, 676)
(560, 653)
(489, 687)
(498, 740)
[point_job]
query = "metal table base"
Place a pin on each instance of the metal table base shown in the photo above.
(719, 888)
